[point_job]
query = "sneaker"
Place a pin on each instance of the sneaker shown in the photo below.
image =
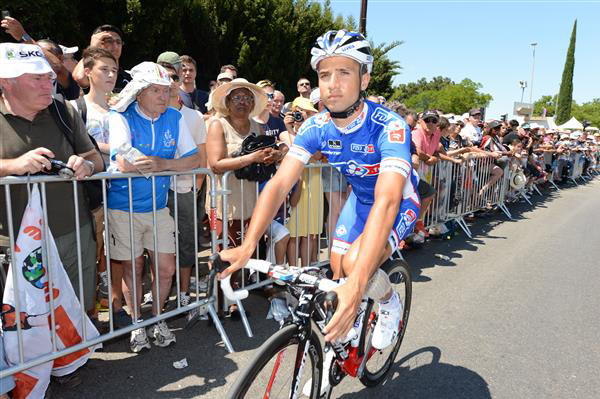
(201, 284)
(139, 340)
(184, 299)
(329, 356)
(163, 337)
(121, 319)
(103, 285)
(388, 322)
(147, 299)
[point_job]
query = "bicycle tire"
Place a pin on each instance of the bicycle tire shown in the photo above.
(248, 383)
(399, 273)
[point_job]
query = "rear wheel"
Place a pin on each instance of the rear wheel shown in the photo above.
(381, 361)
(271, 373)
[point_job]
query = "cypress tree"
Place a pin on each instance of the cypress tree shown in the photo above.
(565, 95)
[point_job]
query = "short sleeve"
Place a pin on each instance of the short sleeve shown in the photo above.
(185, 143)
(306, 142)
(394, 144)
(83, 143)
(119, 132)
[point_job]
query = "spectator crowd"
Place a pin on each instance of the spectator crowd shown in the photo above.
(95, 116)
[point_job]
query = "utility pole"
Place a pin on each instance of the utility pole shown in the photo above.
(362, 26)
(532, 72)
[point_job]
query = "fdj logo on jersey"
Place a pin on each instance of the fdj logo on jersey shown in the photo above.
(381, 116)
(363, 148)
(354, 169)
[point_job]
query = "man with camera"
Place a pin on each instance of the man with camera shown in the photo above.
(34, 139)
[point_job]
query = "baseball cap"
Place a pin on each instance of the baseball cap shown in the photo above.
(526, 126)
(68, 50)
(430, 114)
(169, 57)
(225, 76)
(494, 124)
(17, 59)
(474, 111)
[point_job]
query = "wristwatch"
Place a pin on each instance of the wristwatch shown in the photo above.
(91, 165)
(26, 38)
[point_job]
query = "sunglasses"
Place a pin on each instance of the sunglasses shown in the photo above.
(238, 98)
(110, 41)
(431, 120)
(270, 96)
(304, 84)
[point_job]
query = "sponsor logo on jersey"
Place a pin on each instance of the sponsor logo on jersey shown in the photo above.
(355, 123)
(381, 116)
(355, 169)
(396, 136)
(334, 144)
(341, 230)
(322, 118)
(168, 140)
(406, 220)
(363, 148)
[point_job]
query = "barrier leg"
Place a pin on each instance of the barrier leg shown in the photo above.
(219, 326)
(244, 318)
(522, 193)
(554, 184)
(574, 181)
(463, 225)
(504, 209)
(537, 190)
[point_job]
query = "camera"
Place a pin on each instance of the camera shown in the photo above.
(5, 14)
(298, 117)
(59, 168)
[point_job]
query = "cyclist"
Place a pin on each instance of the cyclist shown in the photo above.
(370, 145)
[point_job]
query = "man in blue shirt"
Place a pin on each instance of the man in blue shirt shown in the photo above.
(146, 136)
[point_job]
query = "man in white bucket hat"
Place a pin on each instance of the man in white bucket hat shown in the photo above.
(142, 125)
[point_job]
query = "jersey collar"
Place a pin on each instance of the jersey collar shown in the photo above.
(357, 123)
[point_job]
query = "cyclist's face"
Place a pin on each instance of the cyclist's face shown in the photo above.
(340, 82)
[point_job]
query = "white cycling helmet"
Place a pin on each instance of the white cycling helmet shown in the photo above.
(342, 43)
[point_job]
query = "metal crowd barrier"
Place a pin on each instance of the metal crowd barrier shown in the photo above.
(206, 305)
(462, 189)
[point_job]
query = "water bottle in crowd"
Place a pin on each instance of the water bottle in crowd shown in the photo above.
(131, 154)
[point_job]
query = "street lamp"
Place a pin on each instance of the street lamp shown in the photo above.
(523, 84)
(532, 71)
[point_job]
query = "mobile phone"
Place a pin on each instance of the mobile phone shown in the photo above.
(5, 14)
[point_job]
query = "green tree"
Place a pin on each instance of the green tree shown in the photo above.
(451, 98)
(589, 111)
(407, 90)
(565, 94)
(545, 102)
(384, 69)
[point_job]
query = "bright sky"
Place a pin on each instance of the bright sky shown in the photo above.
(489, 42)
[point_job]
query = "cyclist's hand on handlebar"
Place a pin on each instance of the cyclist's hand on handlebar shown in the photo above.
(349, 299)
(238, 257)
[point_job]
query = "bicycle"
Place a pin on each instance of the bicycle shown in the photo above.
(277, 371)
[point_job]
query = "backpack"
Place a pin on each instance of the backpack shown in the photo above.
(92, 189)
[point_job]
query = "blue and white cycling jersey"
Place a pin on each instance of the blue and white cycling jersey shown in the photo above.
(377, 141)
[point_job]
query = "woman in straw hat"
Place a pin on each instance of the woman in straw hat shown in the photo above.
(236, 103)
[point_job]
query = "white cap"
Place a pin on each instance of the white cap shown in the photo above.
(225, 75)
(315, 96)
(142, 75)
(17, 59)
(68, 50)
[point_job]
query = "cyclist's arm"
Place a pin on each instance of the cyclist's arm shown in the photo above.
(267, 206)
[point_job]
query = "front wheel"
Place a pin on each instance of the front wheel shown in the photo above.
(381, 361)
(271, 373)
